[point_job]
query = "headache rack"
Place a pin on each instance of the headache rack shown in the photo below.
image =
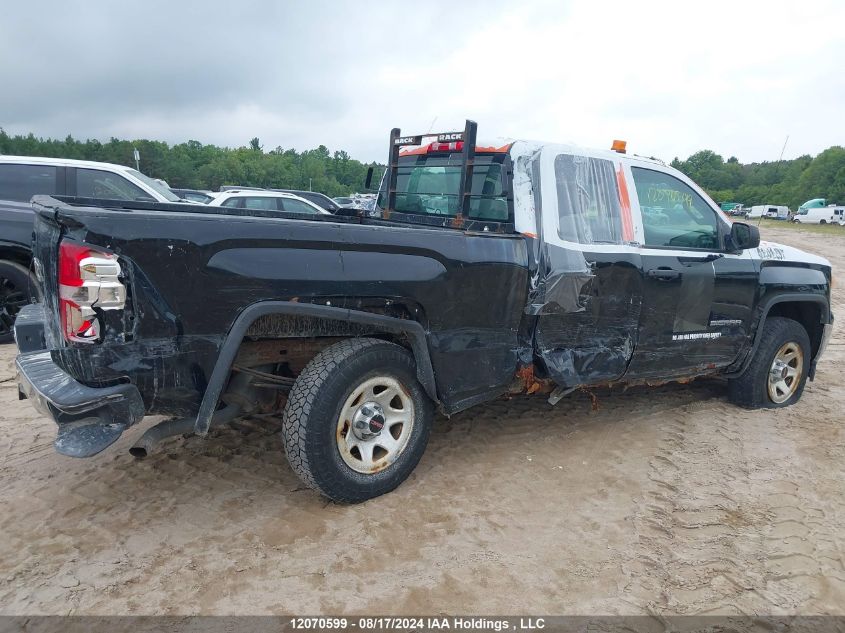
(461, 219)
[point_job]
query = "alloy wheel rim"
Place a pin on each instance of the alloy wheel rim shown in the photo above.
(785, 372)
(375, 424)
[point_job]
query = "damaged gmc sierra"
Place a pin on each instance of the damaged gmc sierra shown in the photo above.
(485, 269)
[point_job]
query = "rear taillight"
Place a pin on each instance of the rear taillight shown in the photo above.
(88, 279)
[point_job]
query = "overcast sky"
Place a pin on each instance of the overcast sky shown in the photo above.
(670, 78)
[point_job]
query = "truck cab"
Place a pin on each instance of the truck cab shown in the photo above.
(638, 273)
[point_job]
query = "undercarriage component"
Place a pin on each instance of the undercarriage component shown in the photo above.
(244, 395)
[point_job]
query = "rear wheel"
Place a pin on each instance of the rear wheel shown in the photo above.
(778, 372)
(357, 420)
(17, 289)
(822, 221)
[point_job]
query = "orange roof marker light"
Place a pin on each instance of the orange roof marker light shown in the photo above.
(619, 146)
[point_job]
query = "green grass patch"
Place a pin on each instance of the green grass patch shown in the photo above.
(826, 229)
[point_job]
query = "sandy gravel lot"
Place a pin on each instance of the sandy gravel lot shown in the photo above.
(667, 501)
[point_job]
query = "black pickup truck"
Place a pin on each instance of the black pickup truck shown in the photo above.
(488, 269)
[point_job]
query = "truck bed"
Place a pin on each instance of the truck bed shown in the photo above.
(192, 270)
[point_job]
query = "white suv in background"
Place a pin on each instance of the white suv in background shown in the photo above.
(22, 177)
(265, 200)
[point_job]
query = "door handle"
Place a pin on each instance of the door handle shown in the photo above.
(701, 260)
(663, 274)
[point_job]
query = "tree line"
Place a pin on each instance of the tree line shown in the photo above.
(783, 182)
(192, 165)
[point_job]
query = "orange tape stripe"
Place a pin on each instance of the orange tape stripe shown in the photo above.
(625, 202)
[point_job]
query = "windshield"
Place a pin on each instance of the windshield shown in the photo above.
(430, 185)
(159, 188)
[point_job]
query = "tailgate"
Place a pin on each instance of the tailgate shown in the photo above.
(45, 250)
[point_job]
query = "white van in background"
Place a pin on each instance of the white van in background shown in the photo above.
(821, 215)
(777, 212)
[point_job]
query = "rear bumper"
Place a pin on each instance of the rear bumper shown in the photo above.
(54, 393)
(89, 418)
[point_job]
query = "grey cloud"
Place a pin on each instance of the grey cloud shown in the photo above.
(90, 68)
(298, 74)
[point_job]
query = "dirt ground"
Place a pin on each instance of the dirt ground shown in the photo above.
(667, 501)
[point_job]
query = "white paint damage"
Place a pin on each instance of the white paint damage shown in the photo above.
(772, 251)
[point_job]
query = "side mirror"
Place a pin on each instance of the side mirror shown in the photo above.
(369, 180)
(744, 236)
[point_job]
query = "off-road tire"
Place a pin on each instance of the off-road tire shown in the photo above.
(314, 404)
(16, 279)
(750, 389)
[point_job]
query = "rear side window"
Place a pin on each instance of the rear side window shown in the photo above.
(317, 199)
(95, 183)
(296, 206)
(232, 203)
(263, 203)
(588, 200)
(21, 182)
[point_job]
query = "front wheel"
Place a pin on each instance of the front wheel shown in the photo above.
(357, 420)
(778, 372)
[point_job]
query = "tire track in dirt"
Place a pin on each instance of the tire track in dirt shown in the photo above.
(742, 533)
(697, 533)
